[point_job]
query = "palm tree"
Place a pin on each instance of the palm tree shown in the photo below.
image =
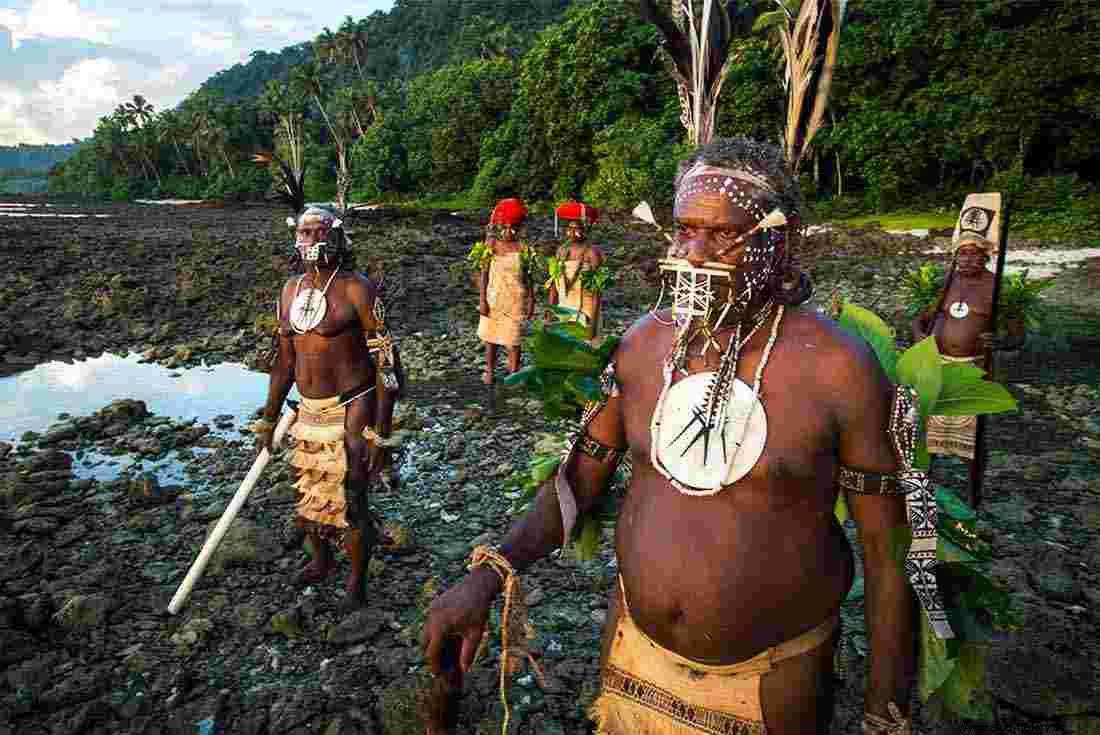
(172, 127)
(351, 42)
(809, 36)
(140, 110)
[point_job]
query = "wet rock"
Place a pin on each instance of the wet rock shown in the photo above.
(125, 410)
(288, 623)
(244, 543)
(361, 625)
(61, 433)
(295, 709)
(1087, 725)
(35, 526)
(36, 611)
(249, 617)
(191, 634)
(70, 533)
(85, 612)
(50, 459)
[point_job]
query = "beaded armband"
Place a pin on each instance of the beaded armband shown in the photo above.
(582, 442)
(870, 483)
(599, 451)
(902, 431)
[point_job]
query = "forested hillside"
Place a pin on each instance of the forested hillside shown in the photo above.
(481, 99)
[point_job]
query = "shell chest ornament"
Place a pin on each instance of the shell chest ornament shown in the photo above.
(698, 451)
(709, 429)
(959, 309)
(309, 306)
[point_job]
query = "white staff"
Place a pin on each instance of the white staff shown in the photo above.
(235, 505)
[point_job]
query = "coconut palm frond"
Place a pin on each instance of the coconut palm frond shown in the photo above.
(809, 36)
(769, 21)
(697, 48)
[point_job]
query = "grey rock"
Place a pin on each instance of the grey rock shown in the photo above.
(361, 625)
(84, 612)
(244, 543)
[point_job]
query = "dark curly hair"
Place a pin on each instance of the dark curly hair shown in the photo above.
(767, 162)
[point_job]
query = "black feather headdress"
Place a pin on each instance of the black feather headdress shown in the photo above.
(696, 45)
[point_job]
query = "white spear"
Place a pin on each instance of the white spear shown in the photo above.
(235, 505)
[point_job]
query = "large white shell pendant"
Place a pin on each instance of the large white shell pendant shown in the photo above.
(710, 460)
(960, 309)
(308, 309)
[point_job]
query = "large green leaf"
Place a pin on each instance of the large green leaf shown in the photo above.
(588, 545)
(521, 377)
(935, 665)
(919, 367)
(964, 692)
(584, 387)
(577, 328)
(555, 351)
(840, 508)
(949, 551)
(865, 323)
(950, 503)
(972, 399)
(921, 459)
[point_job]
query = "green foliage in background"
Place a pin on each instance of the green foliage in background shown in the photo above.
(550, 99)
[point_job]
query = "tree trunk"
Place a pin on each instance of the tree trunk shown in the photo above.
(839, 177)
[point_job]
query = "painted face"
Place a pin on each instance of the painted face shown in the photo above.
(310, 237)
(574, 231)
(712, 211)
(507, 233)
(970, 259)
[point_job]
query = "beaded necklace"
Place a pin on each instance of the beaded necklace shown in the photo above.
(712, 413)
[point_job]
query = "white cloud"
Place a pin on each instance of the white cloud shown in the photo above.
(81, 58)
(14, 125)
(59, 109)
(57, 19)
(219, 42)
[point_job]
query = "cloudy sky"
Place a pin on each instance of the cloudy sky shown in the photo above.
(66, 63)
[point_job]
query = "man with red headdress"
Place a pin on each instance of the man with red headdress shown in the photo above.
(507, 298)
(571, 281)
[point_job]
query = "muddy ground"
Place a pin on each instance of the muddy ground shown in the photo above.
(87, 567)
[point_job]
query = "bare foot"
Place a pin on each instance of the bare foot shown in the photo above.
(316, 571)
(355, 595)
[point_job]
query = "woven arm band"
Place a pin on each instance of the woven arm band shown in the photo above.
(870, 483)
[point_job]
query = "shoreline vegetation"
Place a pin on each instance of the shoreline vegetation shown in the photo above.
(930, 101)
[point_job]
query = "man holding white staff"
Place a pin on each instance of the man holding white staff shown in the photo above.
(325, 315)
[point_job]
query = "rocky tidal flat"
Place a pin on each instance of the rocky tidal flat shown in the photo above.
(102, 511)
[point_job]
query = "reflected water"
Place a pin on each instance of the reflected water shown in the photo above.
(32, 401)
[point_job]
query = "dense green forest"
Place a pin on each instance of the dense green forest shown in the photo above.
(547, 99)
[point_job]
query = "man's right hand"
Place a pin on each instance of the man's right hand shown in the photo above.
(483, 309)
(263, 441)
(460, 612)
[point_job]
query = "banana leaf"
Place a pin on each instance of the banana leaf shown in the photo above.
(588, 545)
(920, 367)
(963, 693)
(865, 323)
(840, 508)
(965, 398)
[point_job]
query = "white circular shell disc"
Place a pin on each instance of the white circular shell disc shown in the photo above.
(308, 309)
(960, 309)
(690, 468)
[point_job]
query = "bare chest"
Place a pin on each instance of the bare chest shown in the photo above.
(969, 301)
(798, 438)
